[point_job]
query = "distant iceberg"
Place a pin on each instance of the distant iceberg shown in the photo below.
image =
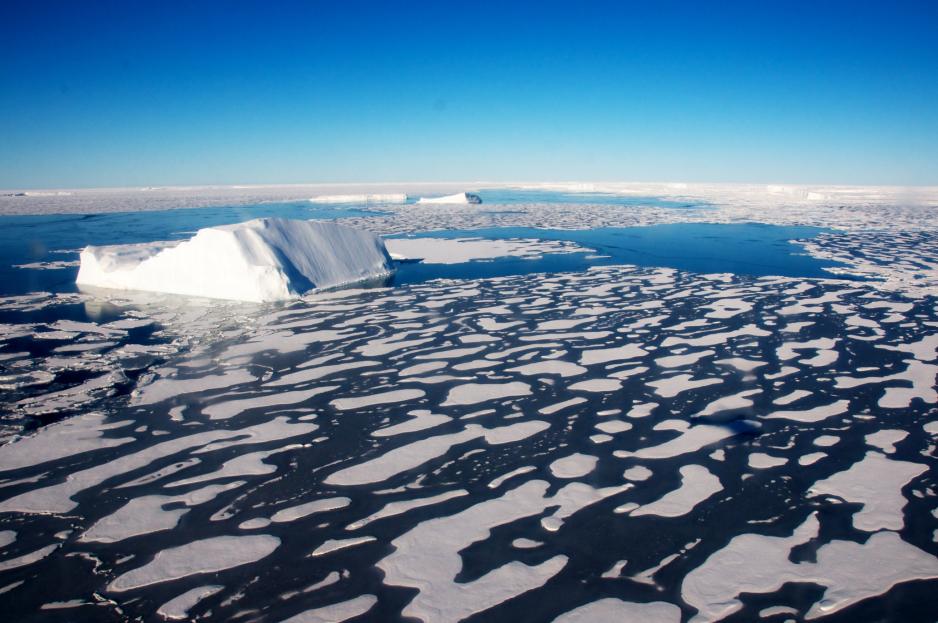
(266, 259)
(361, 198)
(463, 198)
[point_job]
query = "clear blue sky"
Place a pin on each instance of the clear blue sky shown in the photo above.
(103, 93)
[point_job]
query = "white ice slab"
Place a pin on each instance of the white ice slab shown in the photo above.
(266, 259)
(458, 198)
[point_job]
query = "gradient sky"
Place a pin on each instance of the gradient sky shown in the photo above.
(150, 93)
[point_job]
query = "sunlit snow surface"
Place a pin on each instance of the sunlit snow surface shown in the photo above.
(617, 444)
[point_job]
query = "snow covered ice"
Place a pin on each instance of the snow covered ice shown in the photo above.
(262, 260)
(459, 198)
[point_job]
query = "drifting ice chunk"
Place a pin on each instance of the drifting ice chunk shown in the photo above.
(266, 259)
(457, 198)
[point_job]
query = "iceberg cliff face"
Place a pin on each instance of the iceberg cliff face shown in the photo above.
(262, 260)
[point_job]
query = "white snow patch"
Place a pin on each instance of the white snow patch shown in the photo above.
(811, 458)
(637, 473)
(851, 572)
(886, 439)
(428, 558)
(613, 427)
(334, 545)
(612, 610)
(605, 355)
(206, 556)
(392, 509)
(461, 250)
(597, 385)
(231, 408)
(412, 455)
(380, 398)
(815, 414)
(876, 482)
(458, 198)
(697, 484)
(76, 435)
(177, 608)
(336, 613)
(421, 419)
(761, 460)
(691, 439)
(561, 368)
(671, 386)
(573, 466)
(474, 393)
(304, 510)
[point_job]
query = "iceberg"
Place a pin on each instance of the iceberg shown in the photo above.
(267, 259)
(463, 198)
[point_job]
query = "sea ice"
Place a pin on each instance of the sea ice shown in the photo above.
(612, 610)
(206, 556)
(573, 466)
(875, 482)
(417, 453)
(815, 414)
(380, 398)
(460, 250)
(393, 509)
(177, 609)
(848, 571)
(336, 613)
(76, 435)
(304, 510)
(474, 393)
(691, 439)
(427, 558)
(697, 484)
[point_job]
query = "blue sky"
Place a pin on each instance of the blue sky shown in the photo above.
(150, 93)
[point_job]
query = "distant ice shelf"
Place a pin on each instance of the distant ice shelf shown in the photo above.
(262, 260)
(459, 198)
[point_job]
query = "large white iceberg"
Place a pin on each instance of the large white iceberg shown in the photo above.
(267, 259)
(463, 198)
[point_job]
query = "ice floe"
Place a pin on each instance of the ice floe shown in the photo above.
(459, 250)
(697, 484)
(849, 572)
(876, 483)
(337, 612)
(573, 466)
(459, 198)
(612, 610)
(205, 556)
(177, 608)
